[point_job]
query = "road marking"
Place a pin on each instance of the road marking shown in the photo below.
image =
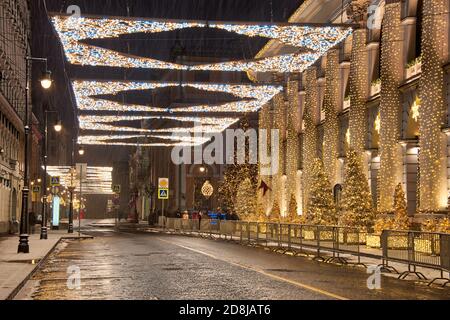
(296, 283)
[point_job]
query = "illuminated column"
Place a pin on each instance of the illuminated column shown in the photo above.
(331, 125)
(358, 79)
(433, 188)
(279, 179)
(292, 150)
(265, 122)
(310, 132)
(390, 173)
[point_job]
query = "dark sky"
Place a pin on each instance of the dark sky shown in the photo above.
(199, 43)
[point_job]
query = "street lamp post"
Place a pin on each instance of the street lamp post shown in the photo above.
(58, 128)
(46, 83)
(72, 187)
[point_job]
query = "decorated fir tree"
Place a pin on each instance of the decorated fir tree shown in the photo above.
(292, 210)
(356, 199)
(234, 174)
(321, 208)
(275, 213)
(260, 214)
(401, 220)
(245, 204)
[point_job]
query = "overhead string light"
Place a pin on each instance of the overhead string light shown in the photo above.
(189, 140)
(98, 179)
(254, 96)
(314, 40)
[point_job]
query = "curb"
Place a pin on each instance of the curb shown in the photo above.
(16, 290)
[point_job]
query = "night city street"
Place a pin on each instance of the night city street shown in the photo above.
(225, 158)
(146, 266)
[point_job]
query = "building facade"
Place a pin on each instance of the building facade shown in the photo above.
(14, 46)
(384, 92)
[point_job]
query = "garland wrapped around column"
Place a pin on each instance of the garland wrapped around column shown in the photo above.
(279, 122)
(432, 156)
(331, 125)
(390, 173)
(292, 149)
(358, 78)
(265, 122)
(310, 135)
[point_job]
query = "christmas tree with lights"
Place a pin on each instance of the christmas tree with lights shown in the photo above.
(356, 198)
(321, 207)
(275, 214)
(245, 204)
(401, 220)
(292, 213)
(235, 174)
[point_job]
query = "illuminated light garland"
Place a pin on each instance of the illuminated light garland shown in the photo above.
(310, 133)
(197, 128)
(92, 139)
(138, 144)
(98, 179)
(317, 39)
(292, 145)
(265, 123)
(358, 94)
(197, 120)
(331, 125)
(390, 172)
(86, 92)
(295, 62)
(279, 179)
(433, 187)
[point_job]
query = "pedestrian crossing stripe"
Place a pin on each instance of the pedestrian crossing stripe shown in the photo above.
(163, 193)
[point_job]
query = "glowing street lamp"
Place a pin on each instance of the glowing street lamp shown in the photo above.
(46, 80)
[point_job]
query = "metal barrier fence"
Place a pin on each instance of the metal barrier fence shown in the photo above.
(414, 248)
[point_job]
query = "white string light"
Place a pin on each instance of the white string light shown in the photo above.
(316, 40)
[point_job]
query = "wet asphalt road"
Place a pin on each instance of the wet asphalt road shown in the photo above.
(160, 266)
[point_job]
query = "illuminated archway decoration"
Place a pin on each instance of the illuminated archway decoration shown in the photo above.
(174, 138)
(313, 39)
(254, 96)
(98, 179)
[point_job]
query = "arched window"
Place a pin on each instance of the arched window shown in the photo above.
(337, 194)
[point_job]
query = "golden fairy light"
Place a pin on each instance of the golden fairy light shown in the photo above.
(207, 189)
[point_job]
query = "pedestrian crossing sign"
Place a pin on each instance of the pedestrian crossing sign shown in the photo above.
(116, 188)
(163, 193)
(55, 181)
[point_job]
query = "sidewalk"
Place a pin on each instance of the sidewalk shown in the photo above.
(16, 268)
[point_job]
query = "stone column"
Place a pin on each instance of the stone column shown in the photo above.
(331, 125)
(390, 173)
(432, 156)
(310, 133)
